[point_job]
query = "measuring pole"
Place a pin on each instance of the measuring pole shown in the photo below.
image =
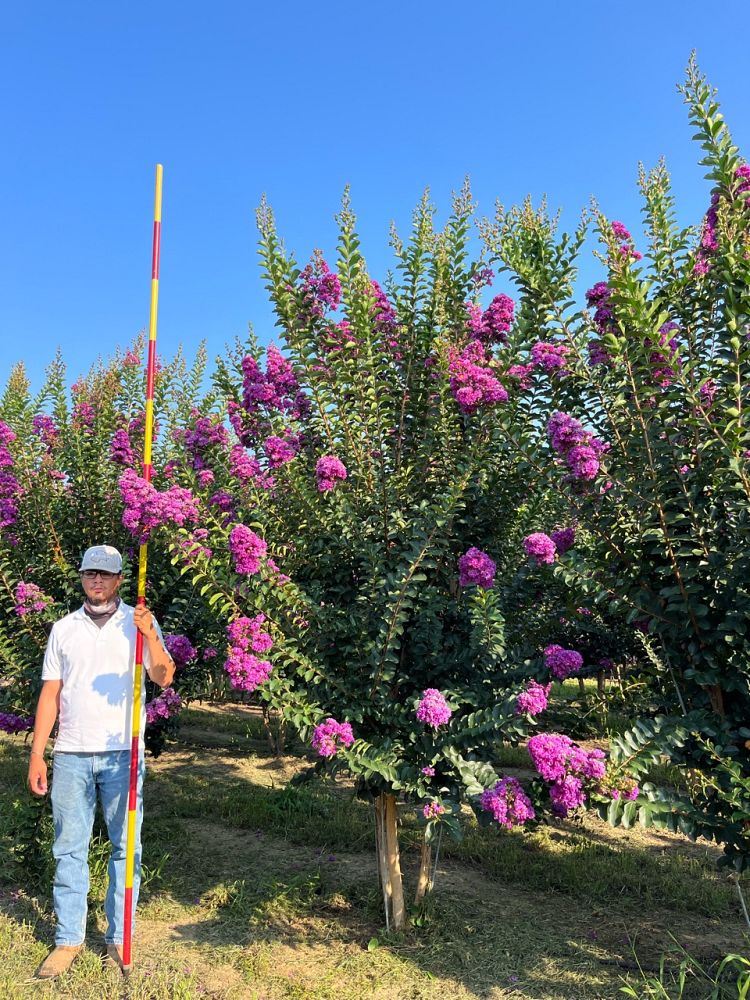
(142, 566)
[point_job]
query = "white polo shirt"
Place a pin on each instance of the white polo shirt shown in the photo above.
(95, 666)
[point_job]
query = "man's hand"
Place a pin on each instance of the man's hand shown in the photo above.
(38, 775)
(144, 621)
(161, 669)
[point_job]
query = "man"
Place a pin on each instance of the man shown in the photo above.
(88, 678)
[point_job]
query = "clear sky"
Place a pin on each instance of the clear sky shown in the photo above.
(296, 100)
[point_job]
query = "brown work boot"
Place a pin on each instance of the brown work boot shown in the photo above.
(58, 961)
(113, 958)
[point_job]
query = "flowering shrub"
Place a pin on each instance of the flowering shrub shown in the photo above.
(648, 439)
(68, 479)
(381, 561)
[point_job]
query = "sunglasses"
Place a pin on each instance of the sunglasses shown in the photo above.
(91, 574)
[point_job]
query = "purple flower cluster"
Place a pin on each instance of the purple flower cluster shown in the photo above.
(533, 701)
(7, 437)
(246, 671)
(147, 509)
(599, 298)
(84, 415)
(166, 704)
(330, 736)
(265, 394)
(742, 174)
(247, 633)
(206, 433)
(46, 430)
(522, 373)
(225, 503)
(540, 547)
(247, 469)
(626, 247)
(10, 489)
(472, 383)
(509, 804)
(120, 450)
(476, 569)
(30, 598)
(630, 794)
(321, 288)
(432, 810)
(279, 577)
(492, 325)
(433, 709)
(336, 337)
(483, 277)
(566, 767)
(429, 771)
(247, 548)
(709, 242)
(11, 723)
(564, 539)
(181, 649)
(598, 354)
(384, 320)
(562, 662)
(707, 393)
(663, 369)
(552, 357)
(580, 449)
(328, 469)
(280, 450)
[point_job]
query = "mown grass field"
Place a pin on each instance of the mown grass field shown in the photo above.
(258, 890)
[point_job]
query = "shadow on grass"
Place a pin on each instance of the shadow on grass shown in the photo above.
(250, 865)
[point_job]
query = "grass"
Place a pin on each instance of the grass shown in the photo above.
(257, 890)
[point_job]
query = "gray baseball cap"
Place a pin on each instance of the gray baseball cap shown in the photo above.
(104, 557)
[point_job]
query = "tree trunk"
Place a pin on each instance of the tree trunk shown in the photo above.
(581, 686)
(600, 682)
(275, 728)
(389, 865)
(423, 881)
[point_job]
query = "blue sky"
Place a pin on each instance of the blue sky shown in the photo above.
(297, 100)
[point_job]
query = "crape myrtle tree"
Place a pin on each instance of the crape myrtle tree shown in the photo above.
(647, 436)
(369, 534)
(62, 454)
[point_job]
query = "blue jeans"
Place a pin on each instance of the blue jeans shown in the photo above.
(76, 779)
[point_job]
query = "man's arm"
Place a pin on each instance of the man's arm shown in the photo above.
(161, 666)
(46, 713)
